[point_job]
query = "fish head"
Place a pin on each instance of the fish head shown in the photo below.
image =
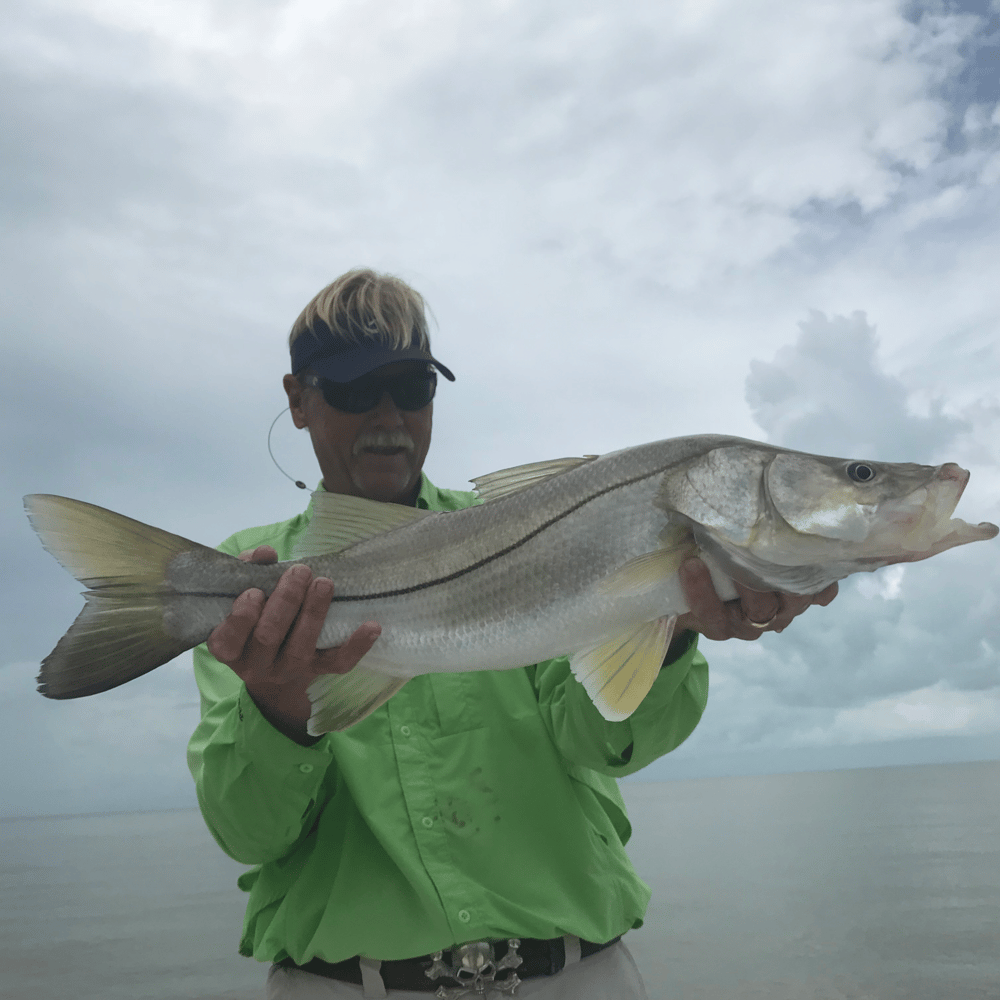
(784, 520)
(879, 511)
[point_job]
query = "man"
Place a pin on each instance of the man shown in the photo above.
(467, 837)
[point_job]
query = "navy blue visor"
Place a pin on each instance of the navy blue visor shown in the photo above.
(343, 361)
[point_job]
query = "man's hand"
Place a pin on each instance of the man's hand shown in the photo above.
(271, 644)
(715, 620)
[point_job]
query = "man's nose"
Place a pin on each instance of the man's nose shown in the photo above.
(387, 412)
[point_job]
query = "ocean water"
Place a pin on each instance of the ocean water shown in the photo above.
(879, 884)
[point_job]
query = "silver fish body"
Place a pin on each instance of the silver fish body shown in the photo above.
(514, 581)
(578, 556)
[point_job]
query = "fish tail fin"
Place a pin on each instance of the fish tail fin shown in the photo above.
(114, 639)
(121, 633)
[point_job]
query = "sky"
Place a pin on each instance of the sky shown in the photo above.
(774, 220)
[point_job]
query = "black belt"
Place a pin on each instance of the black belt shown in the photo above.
(541, 958)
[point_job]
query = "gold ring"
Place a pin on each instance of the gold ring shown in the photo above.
(760, 625)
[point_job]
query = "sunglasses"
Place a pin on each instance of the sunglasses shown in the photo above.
(411, 390)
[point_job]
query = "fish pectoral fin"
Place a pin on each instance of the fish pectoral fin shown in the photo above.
(619, 672)
(647, 571)
(341, 700)
(499, 484)
(339, 521)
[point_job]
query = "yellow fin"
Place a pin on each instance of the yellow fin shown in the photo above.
(646, 571)
(619, 672)
(501, 484)
(339, 521)
(341, 700)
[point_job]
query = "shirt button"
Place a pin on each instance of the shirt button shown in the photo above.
(306, 768)
(464, 916)
(405, 730)
(428, 822)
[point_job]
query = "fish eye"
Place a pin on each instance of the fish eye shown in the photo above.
(860, 472)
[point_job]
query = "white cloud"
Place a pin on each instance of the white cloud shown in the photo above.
(887, 584)
(933, 710)
(828, 393)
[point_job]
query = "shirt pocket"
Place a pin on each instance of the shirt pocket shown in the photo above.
(502, 700)
(459, 700)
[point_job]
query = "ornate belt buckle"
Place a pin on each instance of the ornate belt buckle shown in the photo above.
(474, 968)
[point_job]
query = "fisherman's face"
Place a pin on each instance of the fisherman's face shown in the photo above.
(346, 444)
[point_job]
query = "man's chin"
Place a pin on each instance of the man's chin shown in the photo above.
(386, 487)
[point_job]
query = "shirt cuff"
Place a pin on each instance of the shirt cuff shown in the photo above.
(296, 767)
(680, 646)
(672, 708)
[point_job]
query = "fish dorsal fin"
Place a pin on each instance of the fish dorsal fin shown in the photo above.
(495, 485)
(619, 671)
(339, 521)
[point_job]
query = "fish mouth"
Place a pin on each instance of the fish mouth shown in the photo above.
(920, 525)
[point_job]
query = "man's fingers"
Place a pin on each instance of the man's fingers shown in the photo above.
(281, 610)
(713, 618)
(262, 554)
(793, 606)
(228, 640)
(772, 612)
(347, 656)
(732, 620)
(300, 646)
(762, 609)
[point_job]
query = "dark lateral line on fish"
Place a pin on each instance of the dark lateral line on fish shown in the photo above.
(496, 555)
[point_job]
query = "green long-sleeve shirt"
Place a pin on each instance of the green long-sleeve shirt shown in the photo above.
(469, 806)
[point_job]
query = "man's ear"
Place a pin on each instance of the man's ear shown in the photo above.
(296, 399)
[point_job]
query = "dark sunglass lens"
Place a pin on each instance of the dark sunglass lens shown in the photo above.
(413, 392)
(350, 398)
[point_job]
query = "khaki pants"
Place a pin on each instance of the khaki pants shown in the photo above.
(609, 975)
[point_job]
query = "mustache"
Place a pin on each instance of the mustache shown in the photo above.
(383, 439)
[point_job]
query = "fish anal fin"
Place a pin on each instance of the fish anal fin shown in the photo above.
(619, 672)
(339, 521)
(341, 700)
(502, 483)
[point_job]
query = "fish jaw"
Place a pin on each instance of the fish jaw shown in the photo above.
(961, 534)
(920, 525)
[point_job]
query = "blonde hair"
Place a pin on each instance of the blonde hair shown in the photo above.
(366, 305)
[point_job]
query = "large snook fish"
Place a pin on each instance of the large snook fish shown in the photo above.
(576, 556)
